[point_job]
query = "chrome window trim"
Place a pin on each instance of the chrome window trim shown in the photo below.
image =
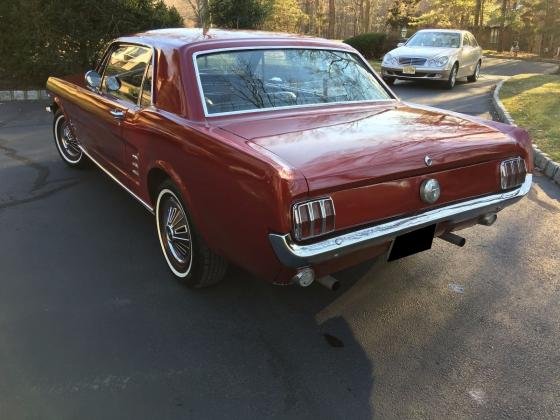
(297, 255)
(146, 205)
(195, 55)
(153, 62)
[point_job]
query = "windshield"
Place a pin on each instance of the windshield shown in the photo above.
(435, 39)
(247, 80)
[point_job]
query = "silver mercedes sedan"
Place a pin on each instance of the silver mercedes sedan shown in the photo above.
(434, 54)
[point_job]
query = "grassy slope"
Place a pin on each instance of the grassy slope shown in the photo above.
(376, 64)
(533, 101)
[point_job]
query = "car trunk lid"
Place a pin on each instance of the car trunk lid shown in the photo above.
(343, 150)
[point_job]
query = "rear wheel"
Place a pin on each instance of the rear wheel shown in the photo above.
(476, 74)
(187, 256)
(66, 141)
(450, 83)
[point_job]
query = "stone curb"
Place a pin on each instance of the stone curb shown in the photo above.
(22, 95)
(542, 161)
(535, 59)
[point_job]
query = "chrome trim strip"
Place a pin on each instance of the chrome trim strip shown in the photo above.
(392, 96)
(148, 207)
(296, 255)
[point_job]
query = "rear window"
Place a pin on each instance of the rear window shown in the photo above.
(248, 80)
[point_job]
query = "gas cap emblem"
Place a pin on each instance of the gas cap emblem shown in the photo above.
(428, 160)
(430, 191)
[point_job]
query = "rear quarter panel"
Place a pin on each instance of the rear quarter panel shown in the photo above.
(234, 196)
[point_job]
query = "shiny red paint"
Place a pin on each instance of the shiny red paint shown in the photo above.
(240, 175)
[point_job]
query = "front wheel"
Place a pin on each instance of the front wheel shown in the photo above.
(187, 256)
(66, 141)
(450, 83)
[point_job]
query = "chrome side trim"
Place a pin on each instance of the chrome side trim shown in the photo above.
(392, 96)
(296, 255)
(146, 205)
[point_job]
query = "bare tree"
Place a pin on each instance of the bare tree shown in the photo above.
(332, 19)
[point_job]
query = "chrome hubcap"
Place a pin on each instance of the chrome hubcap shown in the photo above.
(176, 231)
(453, 76)
(69, 142)
(477, 71)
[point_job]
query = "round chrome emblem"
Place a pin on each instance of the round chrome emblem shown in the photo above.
(428, 160)
(430, 191)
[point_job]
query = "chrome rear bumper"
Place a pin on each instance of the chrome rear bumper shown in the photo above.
(296, 255)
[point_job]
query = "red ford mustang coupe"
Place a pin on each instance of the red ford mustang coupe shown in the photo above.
(285, 155)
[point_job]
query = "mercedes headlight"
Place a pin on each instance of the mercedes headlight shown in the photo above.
(388, 59)
(437, 62)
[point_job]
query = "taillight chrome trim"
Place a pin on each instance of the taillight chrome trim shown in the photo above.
(312, 217)
(512, 173)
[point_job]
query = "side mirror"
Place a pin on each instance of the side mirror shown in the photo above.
(113, 84)
(93, 79)
(400, 44)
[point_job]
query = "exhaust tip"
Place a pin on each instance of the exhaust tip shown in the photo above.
(329, 282)
(304, 277)
(488, 219)
(453, 239)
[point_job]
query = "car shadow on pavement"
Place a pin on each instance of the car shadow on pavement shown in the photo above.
(105, 330)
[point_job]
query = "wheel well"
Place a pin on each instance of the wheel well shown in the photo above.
(155, 178)
(54, 107)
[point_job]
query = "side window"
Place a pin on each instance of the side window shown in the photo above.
(128, 64)
(466, 40)
(146, 98)
(473, 40)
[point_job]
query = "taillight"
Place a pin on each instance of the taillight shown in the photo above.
(313, 218)
(512, 173)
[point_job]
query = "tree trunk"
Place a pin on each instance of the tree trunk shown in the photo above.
(477, 10)
(204, 15)
(332, 19)
(366, 16)
(502, 25)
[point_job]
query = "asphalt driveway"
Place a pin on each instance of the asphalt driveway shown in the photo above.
(92, 325)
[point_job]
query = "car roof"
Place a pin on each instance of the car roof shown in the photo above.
(444, 30)
(176, 38)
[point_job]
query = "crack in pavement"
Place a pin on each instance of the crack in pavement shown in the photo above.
(40, 188)
(12, 202)
(42, 171)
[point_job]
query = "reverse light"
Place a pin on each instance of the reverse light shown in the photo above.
(512, 173)
(313, 218)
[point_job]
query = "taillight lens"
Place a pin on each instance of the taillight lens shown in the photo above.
(313, 218)
(512, 173)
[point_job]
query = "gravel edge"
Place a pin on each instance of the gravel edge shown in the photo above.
(22, 95)
(542, 161)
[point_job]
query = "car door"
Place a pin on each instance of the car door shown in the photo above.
(477, 50)
(470, 54)
(100, 129)
(126, 65)
(465, 58)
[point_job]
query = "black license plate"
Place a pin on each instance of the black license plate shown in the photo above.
(412, 242)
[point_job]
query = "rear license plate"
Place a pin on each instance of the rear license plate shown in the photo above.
(409, 70)
(412, 242)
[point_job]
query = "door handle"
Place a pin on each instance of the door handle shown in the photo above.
(117, 114)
